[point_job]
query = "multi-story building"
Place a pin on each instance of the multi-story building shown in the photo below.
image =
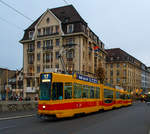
(145, 78)
(5, 74)
(123, 69)
(55, 30)
(148, 79)
(15, 84)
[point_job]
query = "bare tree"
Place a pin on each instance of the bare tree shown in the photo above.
(100, 73)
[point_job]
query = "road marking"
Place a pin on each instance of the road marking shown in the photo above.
(17, 117)
(7, 127)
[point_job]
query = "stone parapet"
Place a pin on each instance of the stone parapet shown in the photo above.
(12, 106)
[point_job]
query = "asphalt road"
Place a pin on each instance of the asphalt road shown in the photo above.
(129, 120)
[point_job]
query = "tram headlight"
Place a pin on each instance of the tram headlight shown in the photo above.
(44, 107)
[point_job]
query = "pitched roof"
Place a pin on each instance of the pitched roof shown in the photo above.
(117, 52)
(66, 14)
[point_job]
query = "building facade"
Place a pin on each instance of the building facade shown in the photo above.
(123, 69)
(145, 78)
(59, 31)
(5, 74)
(148, 79)
(15, 84)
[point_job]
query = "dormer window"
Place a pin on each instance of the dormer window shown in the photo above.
(66, 20)
(70, 28)
(83, 28)
(31, 34)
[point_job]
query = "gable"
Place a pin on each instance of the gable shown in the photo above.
(48, 19)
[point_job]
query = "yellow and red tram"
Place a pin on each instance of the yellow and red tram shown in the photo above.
(118, 98)
(63, 95)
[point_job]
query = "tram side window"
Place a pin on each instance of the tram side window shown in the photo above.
(122, 96)
(91, 92)
(57, 91)
(68, 90)
(108, 93)
(97, 93)
(77, 90)
(129, 96)
(85, 91)
(117, 95)
(88, 91)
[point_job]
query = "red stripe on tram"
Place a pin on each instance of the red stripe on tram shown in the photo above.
(72, 105)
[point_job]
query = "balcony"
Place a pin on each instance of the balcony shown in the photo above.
(50, 34)
(30, 90)
(48, 48)
(30, 62)
(27, 75)
(30, 74)
(30, 50)
(46, 60)
(69, 45)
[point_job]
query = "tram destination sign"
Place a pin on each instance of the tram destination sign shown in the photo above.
(86, 78)
(46, 77)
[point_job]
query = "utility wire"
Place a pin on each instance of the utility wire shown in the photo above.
(15, 10)
(66, 2)
(11, 23)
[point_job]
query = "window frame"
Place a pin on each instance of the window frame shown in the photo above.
(70, 28)
(65, 89)
(57, 42)
(85, 88)
(31, 33)
(78, 86)
(61, 97)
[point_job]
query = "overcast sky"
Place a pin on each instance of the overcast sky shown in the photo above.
(121, 24)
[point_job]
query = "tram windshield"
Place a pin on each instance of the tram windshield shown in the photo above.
(45, 91)
(45, 87)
